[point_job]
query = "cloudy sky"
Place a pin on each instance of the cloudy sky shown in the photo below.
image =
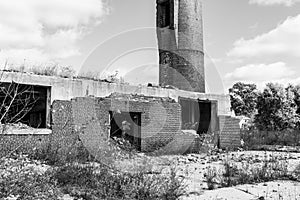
(245, 40)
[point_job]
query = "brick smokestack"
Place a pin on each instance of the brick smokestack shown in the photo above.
(180, 42)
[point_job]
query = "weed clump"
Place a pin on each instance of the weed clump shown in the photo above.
(90, 182)
(232, 174)
(25, 179)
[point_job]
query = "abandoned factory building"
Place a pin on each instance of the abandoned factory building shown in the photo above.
(155, 114)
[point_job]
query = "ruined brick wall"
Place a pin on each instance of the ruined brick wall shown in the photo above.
(64, 139)
(22, 143)
(160, 120)
(229, 136)
(161, 123)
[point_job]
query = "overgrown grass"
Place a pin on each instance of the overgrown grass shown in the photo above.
(52, 155)
(25, 178)
(232, 174)
(89, 182)
(254, 138)
(52, 69)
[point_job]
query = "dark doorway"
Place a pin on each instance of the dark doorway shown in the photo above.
(128, 125)
(205, 116)
(197, 115)
(27, 104)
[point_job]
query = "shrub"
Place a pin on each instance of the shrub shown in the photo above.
(230, 175)
(254, 138)
(49, 70)
(90, 75)
(269, 170)
(66, 72)
(211, 176)
(52, 154)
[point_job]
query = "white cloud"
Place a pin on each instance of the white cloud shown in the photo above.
(274, 2)
(284, 81)
(283, 40)
(45, 30)
(62, 44)
(260, 72)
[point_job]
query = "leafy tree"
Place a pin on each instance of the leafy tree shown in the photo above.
(276, 108)
(296, 91)
(243, 98)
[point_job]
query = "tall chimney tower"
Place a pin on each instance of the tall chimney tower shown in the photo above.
(180, 42)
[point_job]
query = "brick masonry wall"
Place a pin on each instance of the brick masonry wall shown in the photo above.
(90, 124)
(160, 120)
(229, 137)
(64, 139)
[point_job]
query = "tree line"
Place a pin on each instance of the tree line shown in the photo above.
(275, 108)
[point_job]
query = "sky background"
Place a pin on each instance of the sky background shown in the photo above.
(255, 41)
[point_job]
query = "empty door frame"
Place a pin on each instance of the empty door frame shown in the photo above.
(204, 113)
(133, 118)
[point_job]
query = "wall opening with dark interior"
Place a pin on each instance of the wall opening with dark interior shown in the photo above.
(126, 125)
(199, 115)
(27, 104)
(165, 13)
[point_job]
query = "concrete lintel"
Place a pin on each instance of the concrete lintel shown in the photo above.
(68, 88)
